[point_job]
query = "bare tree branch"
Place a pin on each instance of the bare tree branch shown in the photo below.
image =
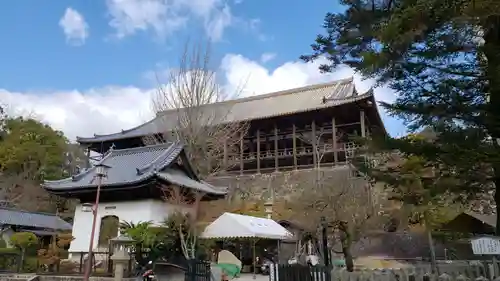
(186, 209)
(195, 110)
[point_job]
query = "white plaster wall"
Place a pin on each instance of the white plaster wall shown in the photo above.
(134, 211)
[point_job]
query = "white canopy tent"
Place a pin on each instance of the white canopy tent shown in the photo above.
(230, 225)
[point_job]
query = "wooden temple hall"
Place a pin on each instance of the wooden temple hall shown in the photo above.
(293, 129)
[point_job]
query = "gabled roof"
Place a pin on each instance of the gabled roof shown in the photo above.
(280, 103)
(134, 166)
(29, 219)
(230, 225)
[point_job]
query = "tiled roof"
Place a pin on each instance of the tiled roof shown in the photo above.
(134, 166)
(29, 219)
(252, 108)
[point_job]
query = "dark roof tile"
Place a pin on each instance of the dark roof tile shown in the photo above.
(134, 166)
(29, 219)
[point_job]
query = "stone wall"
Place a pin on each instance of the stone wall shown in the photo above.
(33, 277)
(285, 184)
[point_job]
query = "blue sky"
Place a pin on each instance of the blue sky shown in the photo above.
(88, 66)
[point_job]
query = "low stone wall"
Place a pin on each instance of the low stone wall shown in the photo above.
(284, 184)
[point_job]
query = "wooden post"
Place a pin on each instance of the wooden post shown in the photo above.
(294, 152)
(362, 121)
(225, 155)
(335, 142)
(314, 144)
(241, 154)
(258, 151)
(87, 163)
(209, 163)
(275, 147)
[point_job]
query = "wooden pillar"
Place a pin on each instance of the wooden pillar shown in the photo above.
(314, 143)
(87, 164)
(294, 147)
(362, 121)
(258, 151)
(275, 147)
(209, 163)
(241, 154)
(224, 162)
(335, 142)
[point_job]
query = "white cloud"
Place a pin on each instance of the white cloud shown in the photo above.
(111, 109)
(164, 17)
(267, 57)
(78, 113)
(74, 27)
(260, 80)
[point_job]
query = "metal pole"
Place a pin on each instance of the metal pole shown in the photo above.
(254, 261)
(326, 255)
(88, 266)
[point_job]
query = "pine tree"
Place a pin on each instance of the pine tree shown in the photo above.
(442, 58)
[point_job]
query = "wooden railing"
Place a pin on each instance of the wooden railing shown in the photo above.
(349, 148)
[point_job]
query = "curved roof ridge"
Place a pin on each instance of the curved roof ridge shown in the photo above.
(122, 131)
(289, 91)
(84, 172)
(161, 160)
(141, 148)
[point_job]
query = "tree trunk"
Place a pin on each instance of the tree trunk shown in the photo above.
(349, 262)
(491, 29)
(23, 255)
(432, 250)
(346, 241)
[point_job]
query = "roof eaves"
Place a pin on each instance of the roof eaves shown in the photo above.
(379, 117)
(142, 178)
(210, 188)
(114, 135)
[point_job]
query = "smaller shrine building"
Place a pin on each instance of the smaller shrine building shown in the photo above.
(131, 191)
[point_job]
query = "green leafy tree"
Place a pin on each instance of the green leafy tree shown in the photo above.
(442, 60)
(30, 152)
(28, 146)
(23, 241)
(150, 240)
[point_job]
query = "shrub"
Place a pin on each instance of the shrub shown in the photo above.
(68, 267)
(9, 258)
(30, 265)
(9, 251)
(24, 241)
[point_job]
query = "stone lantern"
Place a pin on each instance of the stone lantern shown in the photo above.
(121, 256)
(268, 208)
